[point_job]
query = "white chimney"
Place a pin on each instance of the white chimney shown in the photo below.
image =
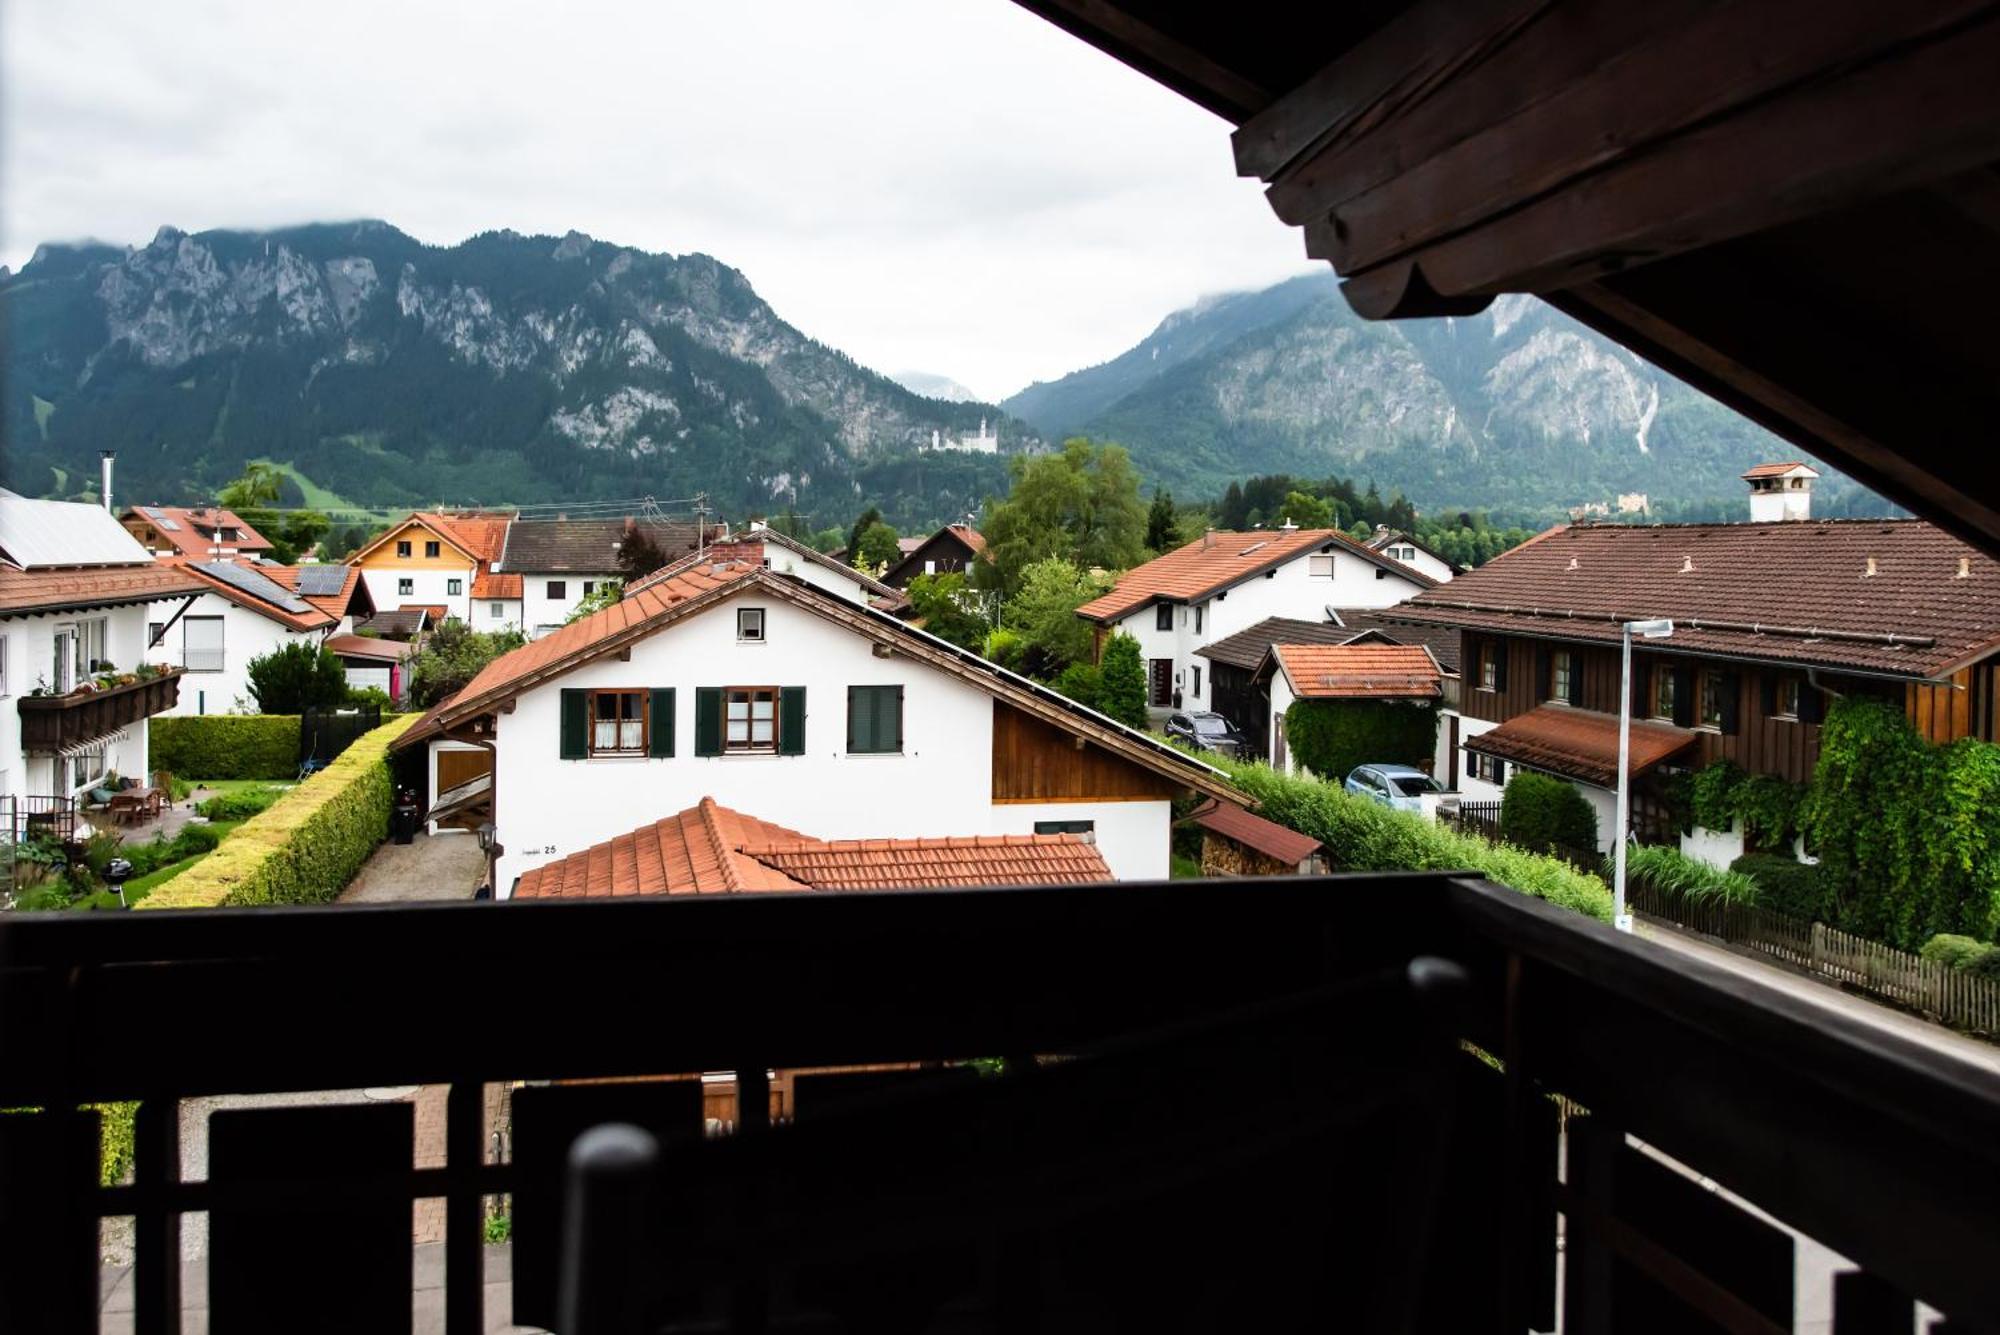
(107, 456)
(1780, 492)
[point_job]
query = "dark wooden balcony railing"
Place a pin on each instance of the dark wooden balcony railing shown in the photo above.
(51, 722)
(1875, 1146)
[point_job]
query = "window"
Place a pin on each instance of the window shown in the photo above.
(930, 567)
(402, 549)
(617, 723)
(1487, 769)
(558, 588)
(589, 587)
(154, 631)
(1199, 610)
(406, 587)
(86, 769)
(1663, 692)
(1194, 680)
(1561, 665)
(1319, 567)
(1083, 827)
(750, 718)
(231, 535)
(496, 610)
(454, 586)
(750, 624)
(874, 720)
(91, 650)
(1163, 617)
(201, 644)
(431, 549)
(1489, 667)
(3, 665)
(1787, 703)
(1403, 553)
(1711, 698)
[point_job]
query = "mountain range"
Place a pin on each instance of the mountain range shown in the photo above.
(382, 372)
(507, 368)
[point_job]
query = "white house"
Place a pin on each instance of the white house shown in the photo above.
(1400, 546)
(243, 615)
(556, 563)
(1376, 674)
(761, 545)
(443, 565)
(792, 704)
(77, 684)
(1222, 583)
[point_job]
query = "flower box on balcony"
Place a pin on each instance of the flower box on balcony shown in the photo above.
(51, 722)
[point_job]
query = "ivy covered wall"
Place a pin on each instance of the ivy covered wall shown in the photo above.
(1331, 737)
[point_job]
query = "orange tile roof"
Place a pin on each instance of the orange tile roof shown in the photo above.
(26, 591)
(1360, 671)
(315, 619)
(488, 585)
(477, 535)
(191, 526)
(333, 604)
(1254, 832)
(1215, 561)
(1579, 743)
(710, 849)
(1777, 470)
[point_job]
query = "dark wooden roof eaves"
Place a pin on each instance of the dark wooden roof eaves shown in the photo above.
(584, 546)
(1794, 592)
(1580, 744)
(1246, 649)
(1255, 832)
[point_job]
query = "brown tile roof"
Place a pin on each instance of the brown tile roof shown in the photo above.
(488, 585)
(394, 623)
(1360, 671)
(1792, 592)
(1246, 648)
(1777, 470)
(711, 849)
(433, 612)
(314, 618)
(587, 546)
(28, 591)
(1216, 561)
(333, 604)
(1254, 832)
(369, 646)
(191, 527)
(1580, 743)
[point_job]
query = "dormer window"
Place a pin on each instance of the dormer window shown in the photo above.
(402, 549)
(432, 550)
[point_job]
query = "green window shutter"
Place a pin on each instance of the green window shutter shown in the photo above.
(708, 720)
(1812, 703)
(860, 723)
(893, 733)
(660, 712)
(792, 721)
(1767, 687)
(575, 725)
(874, 720)
(1576, 678)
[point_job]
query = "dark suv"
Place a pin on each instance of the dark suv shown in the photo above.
(1206, 732)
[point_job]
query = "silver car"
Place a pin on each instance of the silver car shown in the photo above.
(1400, 787)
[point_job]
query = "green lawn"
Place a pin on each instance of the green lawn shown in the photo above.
(137, 888)
(320, 498)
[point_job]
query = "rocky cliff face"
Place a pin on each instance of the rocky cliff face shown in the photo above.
(508, 367)
(1517, 407)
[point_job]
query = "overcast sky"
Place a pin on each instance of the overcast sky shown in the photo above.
(951, 185)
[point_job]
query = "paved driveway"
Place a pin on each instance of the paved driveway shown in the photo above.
(441, 866)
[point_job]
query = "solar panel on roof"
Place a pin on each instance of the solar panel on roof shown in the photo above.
(256, 585)
(322, 581)
(159, 517)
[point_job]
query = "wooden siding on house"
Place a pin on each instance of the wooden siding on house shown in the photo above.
(1964, 708)
(450, 556)
(1035, 761)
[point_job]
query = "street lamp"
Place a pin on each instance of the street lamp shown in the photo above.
(1651, 630)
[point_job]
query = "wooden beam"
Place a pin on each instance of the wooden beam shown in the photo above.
(1927, 113)
(1120, 33)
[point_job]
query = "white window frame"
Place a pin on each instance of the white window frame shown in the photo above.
(406, 587)
(3, 667)
(454, 587)
(750, 626)
(188, 649)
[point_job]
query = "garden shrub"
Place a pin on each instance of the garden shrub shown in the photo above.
(296, 677)
(150, 857)
(1674, 872)
(225, 746)
(1331, 737)
(1959, 952)
(1986, 966)
(1786, 885)
(307, 846)
(1081, 682)
(1541, 814)
(241, 804)
(1768, 806)
(1121, 690)
(1361, 835)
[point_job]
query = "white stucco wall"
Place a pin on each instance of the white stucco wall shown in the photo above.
(245, 635)
(1469, 788)
(1421, 561)
(941, 784)
(539, 613)
(1289, 591)
(429, 587)
(30, 656)
(1281, 701)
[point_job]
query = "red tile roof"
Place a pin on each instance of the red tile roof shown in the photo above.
(488, 585)
(1778, 470)
(314, 619)
(190, 534)
(1579, 743)
(1360, 671)
(27, 591)
(333, 604)
(711, 849)
(1793, 592)
(1254, 832)
(1216, 561)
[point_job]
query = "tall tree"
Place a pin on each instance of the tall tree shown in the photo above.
(453, 656)
(1080, 505)
(1304, 510)
(1044, 613)
(1121, 690)
(876, 549)
(871, 516)
(949, 609)
(639, 555)
(1163, 530)
(1234, 512)
(259, 485)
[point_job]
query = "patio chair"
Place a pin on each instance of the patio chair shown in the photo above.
(127, 806)
(1274, 1168)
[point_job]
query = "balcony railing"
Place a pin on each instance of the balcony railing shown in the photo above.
(51, 722)
(1581, 1044)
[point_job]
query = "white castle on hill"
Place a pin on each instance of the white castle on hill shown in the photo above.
(979, 444)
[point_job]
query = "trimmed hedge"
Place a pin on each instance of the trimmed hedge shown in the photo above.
(1361, 835)
(307, 846)
(225, 746)
(1789, 886)
(1331, 737)
(1539, 813)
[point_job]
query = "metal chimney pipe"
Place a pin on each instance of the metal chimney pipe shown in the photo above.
(107, 456)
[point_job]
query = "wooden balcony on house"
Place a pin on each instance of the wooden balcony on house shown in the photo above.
(50, 723)
(1281, 1131)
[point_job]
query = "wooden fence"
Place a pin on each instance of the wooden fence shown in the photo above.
(1481, 818)
(1953, 996)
